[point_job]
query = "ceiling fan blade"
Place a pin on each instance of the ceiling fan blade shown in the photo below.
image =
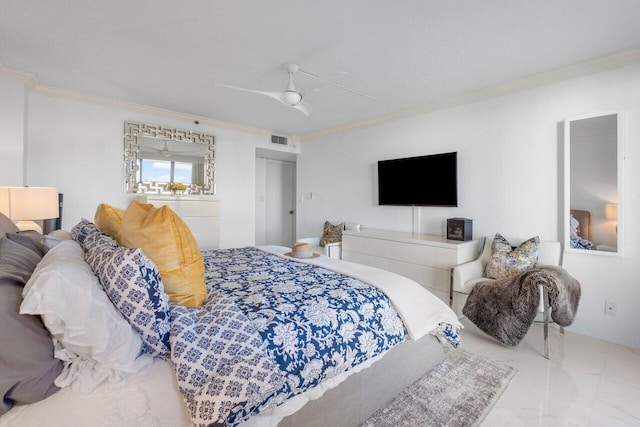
(301, 106)
(179, 153)
(274, 95)
(280, 96)
(318, 82)
(290, 97)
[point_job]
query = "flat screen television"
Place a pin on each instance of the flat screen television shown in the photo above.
(419, 181)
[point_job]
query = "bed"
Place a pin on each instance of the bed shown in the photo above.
(151, 390)
(580, 229)
(584, 223)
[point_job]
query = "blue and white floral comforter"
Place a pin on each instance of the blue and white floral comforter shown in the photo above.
(272, 328)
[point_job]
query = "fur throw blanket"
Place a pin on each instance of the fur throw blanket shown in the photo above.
(506, 308)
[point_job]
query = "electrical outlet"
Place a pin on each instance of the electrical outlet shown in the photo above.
(610, 307)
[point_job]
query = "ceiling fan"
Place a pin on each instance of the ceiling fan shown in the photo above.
(291, 96)
(166, 152)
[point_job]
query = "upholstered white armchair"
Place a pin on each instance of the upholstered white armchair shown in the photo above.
(465, 276)
(332, 250)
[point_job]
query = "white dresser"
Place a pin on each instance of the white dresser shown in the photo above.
(200, 213)
(424, 258)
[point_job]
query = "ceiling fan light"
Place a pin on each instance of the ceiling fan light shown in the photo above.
(291, 97)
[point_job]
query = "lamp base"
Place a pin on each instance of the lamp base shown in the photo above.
(28, 225)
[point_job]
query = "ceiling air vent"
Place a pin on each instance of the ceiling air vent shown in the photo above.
(281, 140)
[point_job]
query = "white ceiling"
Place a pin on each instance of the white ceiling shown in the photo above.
(414, 53)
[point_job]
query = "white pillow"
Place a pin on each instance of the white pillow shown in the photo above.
(52, 239)
(89, 333)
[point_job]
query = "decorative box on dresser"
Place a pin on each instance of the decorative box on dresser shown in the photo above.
(427, 259)
(200, 213)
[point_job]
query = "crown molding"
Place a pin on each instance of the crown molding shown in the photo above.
(29, 79)
(118, 103)
(592, 66)
(31, 82)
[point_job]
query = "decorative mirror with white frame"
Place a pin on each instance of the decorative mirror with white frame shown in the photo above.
(593, 161)
(163, 160)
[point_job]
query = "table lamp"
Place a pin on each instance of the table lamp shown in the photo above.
(25, 204)
(611, 211)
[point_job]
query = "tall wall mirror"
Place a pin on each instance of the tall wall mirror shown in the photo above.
(593, 154)
(163, 160)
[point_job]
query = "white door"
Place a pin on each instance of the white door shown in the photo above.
(280, 202)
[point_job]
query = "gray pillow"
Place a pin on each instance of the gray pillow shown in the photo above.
(28, 366)
(28, 239)
(6, 225)
(17, 260)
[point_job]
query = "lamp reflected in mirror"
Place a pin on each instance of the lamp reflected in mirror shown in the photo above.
(611, 213)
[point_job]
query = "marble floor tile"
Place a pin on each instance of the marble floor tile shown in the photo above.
(586, 381)
(622, 392)
(605, 415)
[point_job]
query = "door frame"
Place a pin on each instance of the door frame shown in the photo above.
(276, 157)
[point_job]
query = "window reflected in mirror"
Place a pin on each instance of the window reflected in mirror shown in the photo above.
(591, 191)
(171, 171)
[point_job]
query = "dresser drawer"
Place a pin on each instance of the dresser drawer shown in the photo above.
(202, 216)
(364, 259)
(428, 277)
(207, 241)
(401, 251)
(189, 208)
(426, 259)
(202, 224)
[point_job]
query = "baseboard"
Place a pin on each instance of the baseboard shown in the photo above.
(606, 332)
(603, 331)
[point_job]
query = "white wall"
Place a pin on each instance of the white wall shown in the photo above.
(77, 147)
(509, 172)
(12, 123)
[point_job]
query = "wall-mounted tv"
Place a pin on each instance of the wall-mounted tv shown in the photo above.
(419, 181)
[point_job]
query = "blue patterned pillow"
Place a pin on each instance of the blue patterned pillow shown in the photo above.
(133, 284)
(94, 239)
(81, 230)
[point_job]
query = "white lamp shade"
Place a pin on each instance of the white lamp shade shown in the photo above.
(29, 203)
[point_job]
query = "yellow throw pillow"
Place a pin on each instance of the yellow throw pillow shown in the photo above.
(167, 241)
(109, 220)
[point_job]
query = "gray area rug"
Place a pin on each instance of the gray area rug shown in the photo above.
(458, 392)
